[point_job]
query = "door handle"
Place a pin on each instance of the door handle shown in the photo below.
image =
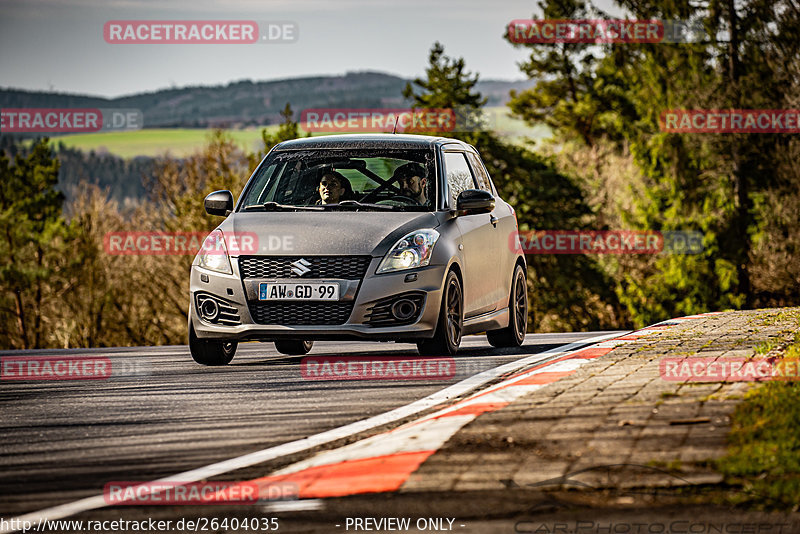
(493, 220)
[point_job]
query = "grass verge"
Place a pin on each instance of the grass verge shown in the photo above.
(763, 456)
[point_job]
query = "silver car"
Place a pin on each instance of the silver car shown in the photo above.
(376, 237)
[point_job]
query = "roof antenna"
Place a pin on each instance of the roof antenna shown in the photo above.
(394, 130)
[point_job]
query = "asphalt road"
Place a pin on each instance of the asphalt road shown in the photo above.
(63, 440)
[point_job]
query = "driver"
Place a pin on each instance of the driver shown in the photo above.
(412, 181)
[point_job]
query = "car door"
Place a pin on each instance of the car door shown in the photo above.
(480, 263)
(504, 224)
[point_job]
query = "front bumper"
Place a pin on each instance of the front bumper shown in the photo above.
(362, 293)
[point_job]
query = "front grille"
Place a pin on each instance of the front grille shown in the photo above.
(301, 313)
(346, 267)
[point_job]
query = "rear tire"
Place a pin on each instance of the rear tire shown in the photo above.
(450, 325)
(211, 352)
(293, 347)
(514, 334)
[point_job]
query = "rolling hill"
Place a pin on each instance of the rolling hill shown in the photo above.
(248, 103)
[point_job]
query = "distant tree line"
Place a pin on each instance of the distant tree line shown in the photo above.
(122, 179)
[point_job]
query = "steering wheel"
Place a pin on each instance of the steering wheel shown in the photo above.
(384, 188)
(399, 200)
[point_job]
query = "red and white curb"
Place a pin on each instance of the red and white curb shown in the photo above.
(384, 462)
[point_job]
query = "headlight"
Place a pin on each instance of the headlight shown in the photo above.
(214, 254)
(414, 250)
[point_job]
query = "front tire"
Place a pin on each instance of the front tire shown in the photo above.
(293, 347)
(514, 334)
(451, 321)
(211, 352)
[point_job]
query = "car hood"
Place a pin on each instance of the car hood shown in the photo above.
(324, 233)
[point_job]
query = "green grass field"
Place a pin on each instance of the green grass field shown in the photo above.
(176, 142)
(179, 142)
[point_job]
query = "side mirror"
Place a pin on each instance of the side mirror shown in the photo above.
(474, 201)
(219, 203)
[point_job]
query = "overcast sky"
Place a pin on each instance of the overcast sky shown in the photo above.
(58, 44)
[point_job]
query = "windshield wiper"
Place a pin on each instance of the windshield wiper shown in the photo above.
(274, 206)
(356, 204)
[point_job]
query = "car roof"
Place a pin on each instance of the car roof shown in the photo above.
(402, 141)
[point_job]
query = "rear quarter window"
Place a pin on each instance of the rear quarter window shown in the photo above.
(481, 176)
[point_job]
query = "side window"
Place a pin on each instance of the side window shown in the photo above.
(480, 173)
(459, 177)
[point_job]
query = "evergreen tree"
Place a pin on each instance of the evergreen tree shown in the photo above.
(33, 254)
(565, 292)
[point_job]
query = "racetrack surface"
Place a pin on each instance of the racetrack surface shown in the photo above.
(63, 440)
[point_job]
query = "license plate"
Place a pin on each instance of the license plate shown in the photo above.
(270, 291)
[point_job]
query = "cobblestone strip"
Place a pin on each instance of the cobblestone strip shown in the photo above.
(614, 410)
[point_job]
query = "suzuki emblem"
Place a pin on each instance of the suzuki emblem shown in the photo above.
(301, 267)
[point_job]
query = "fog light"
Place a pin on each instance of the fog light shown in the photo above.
(209, 310)
(404, 309)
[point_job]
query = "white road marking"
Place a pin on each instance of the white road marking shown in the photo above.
(428, 436)
(294, 447)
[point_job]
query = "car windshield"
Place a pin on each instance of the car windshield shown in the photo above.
(363, 180)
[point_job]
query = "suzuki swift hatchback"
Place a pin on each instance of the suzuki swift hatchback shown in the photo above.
(360, 237)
